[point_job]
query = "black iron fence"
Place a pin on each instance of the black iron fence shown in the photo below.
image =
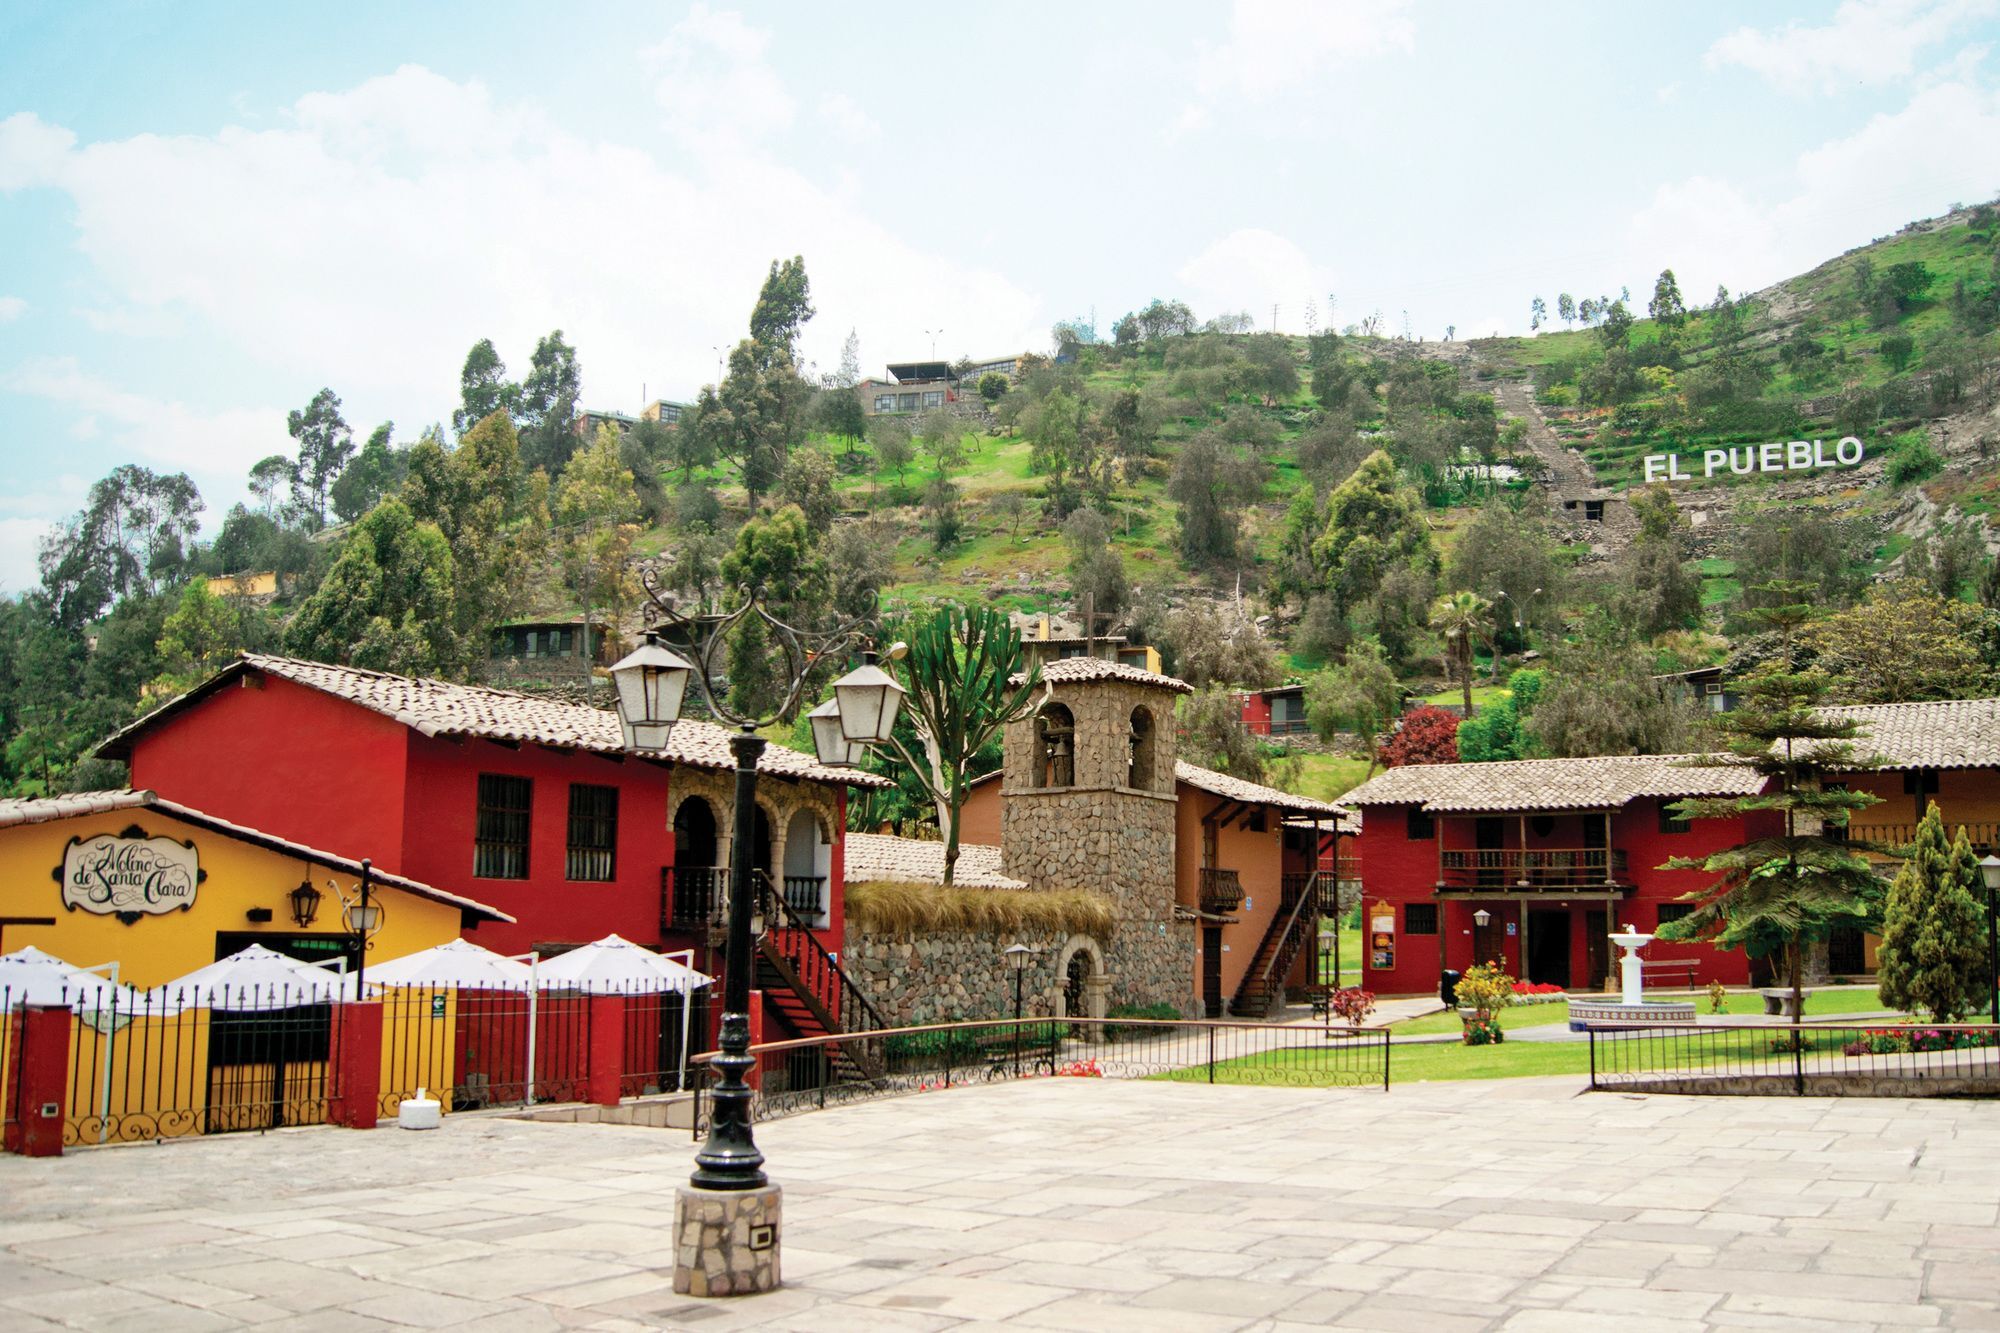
(1802, 1060)
(663, 1032)
(817, 1072)
(473, 1049)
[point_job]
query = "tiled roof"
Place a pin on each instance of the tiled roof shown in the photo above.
(877, 858)
(1069, 670)
(1950, 733)
(1236, 789)
(1604, 783)
(442, 708)
(14, 813)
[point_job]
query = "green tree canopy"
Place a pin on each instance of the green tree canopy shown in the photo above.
(1933, 953)
(387, 602)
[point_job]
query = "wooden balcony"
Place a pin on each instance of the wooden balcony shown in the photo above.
(1984, 834)
(692, 897)
(1533, 870)
(1221, 891)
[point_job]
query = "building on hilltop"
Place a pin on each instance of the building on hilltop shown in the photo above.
(663, 410)
(912, 386)
(1046, 638)
(548, 651)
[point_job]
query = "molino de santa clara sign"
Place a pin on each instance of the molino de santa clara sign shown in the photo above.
(1746, 459)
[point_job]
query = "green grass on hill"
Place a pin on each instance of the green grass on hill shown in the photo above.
(1325, 776)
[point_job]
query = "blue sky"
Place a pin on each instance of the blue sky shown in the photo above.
(209, 211)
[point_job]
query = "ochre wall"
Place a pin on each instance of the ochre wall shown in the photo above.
(1258, 860)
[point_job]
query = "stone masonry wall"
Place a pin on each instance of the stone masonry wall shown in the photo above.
(944, 976)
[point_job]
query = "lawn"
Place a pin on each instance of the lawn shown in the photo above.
(1516, 1016)
(1454, 698)
(1325, 776)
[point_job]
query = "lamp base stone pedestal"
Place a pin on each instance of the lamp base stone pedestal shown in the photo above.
(726, 1241)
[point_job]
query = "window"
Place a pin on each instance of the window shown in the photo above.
(1139, 774)
(1418, 824)
(1055, 753)
(1674, 911)
(1420, 919)
(593, 833)
(935, 398)
(1668, 822)
(500, 838)
(885, 402)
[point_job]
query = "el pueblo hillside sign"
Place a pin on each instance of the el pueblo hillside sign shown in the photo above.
(109, 874)
(1743, 460)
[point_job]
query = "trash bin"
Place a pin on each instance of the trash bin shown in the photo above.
(1448, 988)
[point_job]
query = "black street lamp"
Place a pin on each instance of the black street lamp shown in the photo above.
(1989, 870)
(651, 684)
(1017, 955)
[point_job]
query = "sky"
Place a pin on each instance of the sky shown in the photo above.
(209, 211)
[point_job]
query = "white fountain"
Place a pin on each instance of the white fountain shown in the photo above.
(1631, 1008)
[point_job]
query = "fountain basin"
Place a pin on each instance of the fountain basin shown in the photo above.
(1609, 1011)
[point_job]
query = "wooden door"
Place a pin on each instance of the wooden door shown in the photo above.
(1211, 971)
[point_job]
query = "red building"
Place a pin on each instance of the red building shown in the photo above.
(527, 803)
(1554, 853)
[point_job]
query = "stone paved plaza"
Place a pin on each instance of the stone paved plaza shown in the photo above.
(1061, 1204)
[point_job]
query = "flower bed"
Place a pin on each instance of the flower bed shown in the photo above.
(1538, 992)
(1908, 1041)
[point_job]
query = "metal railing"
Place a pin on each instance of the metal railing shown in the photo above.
(1221, 890)
(1531, 869)
(819, 973)
(1299, 901)
(808, 1075)
(1802, 1059)
(805, 896)
(473, 1049)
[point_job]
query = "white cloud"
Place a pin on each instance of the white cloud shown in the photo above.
(220, 446)
(20, 543)
(1868, 42)
(714, 84)
(30, 150)
(12, 308)
(1253, 269)
(1944, 144)
(1275, 47)
(381, 230)
(847, 116)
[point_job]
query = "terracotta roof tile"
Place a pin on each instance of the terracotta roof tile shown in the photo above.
(1067, 670)
(1236, 789)
(877, 858)
(443, 708)
(1603, 783)
(1950, 733)
(43, 810)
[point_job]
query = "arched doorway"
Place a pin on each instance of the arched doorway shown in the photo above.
(760, 840)
(1076, 984)
(808, 862)
(697, 881)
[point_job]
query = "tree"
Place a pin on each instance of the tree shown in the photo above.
(1210, 483)
(130, 537)
(202, 635)
(859, 563)
(1666, 307)
(1897, 349)
(1904, 644)
(1932, 957)
(492, 517)
(941, 508)
(807, 482)
(1947, 557)
(966, 683)
(268, 477)
(375, 471)
(1509, 556)
(1538, 314)
(1213, 734)
(1361, 695)
(1372, 525)
(1008, 509)
(1460, 617)
(784, 304)
(1601, 697)
(1793, 878)
(1802, 545)
(1493, 733)
(325, 445)
(1566, 309)
(1661, 592)
(839, 414)
(1274, 372)
(547, 405)
(1219, 646)
(597, 507)
(1426, 734)
(387, 602)
(893, 448)
(755, 418)
(1096, 571)
(849, 373)
(483, 388)
(992, 386)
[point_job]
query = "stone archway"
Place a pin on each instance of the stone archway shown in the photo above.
(1080, 981)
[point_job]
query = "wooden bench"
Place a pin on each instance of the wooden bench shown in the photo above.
(998, 1051)
(1683, 968)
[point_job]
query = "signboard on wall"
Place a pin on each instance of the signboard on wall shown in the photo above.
(129, 873)
(1381, 936)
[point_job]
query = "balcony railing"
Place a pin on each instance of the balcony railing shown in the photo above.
(692, 897)
(804, 894)
(1221, 891)
(1984, 834)
(1533, 869)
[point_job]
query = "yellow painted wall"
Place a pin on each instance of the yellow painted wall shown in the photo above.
(240, 876)
(1258, 860)
(1964, 796)
(263, 584)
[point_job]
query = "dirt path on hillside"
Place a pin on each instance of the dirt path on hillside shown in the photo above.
(1568, 473)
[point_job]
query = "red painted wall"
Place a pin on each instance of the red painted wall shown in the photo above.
(441, 815)
(1400, 871)
(286, 760)
(1256, 714)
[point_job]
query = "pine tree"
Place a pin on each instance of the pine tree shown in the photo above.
(1932, 956)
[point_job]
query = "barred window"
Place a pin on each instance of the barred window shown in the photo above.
(593, 833)
(1418, 824)
(500, 837)
(1674, 911)
(1420, 919)
(1669, 823)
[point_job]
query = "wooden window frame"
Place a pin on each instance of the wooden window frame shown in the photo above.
(497, 853)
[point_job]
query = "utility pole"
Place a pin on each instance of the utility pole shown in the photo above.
(1274, 316)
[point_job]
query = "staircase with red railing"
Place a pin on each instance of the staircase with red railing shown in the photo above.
(1295, 925)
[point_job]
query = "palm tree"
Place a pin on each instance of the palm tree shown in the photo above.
(1461, 618)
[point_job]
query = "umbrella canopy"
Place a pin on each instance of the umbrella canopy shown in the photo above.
(617, 964)
(459, 963)
(29, 976)
(252, 978)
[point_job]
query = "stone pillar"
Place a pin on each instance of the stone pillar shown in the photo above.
(726, 1241)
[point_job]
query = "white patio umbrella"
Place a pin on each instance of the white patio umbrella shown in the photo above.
(251, 978)
(459, 963)
(30, 976)
(615, 965)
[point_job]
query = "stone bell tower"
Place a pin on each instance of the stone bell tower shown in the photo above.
(1087, 802)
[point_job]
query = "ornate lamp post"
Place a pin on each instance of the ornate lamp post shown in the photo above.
(729, 1185)
(1989, 870)
(1017, 955)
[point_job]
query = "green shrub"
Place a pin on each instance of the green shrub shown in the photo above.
(1161, 1012)
(1914, 459)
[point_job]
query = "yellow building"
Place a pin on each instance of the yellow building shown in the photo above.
(262, 583)
(161, 889)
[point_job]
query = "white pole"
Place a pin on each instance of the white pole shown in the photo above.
(105, 1039)
(534, 995)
